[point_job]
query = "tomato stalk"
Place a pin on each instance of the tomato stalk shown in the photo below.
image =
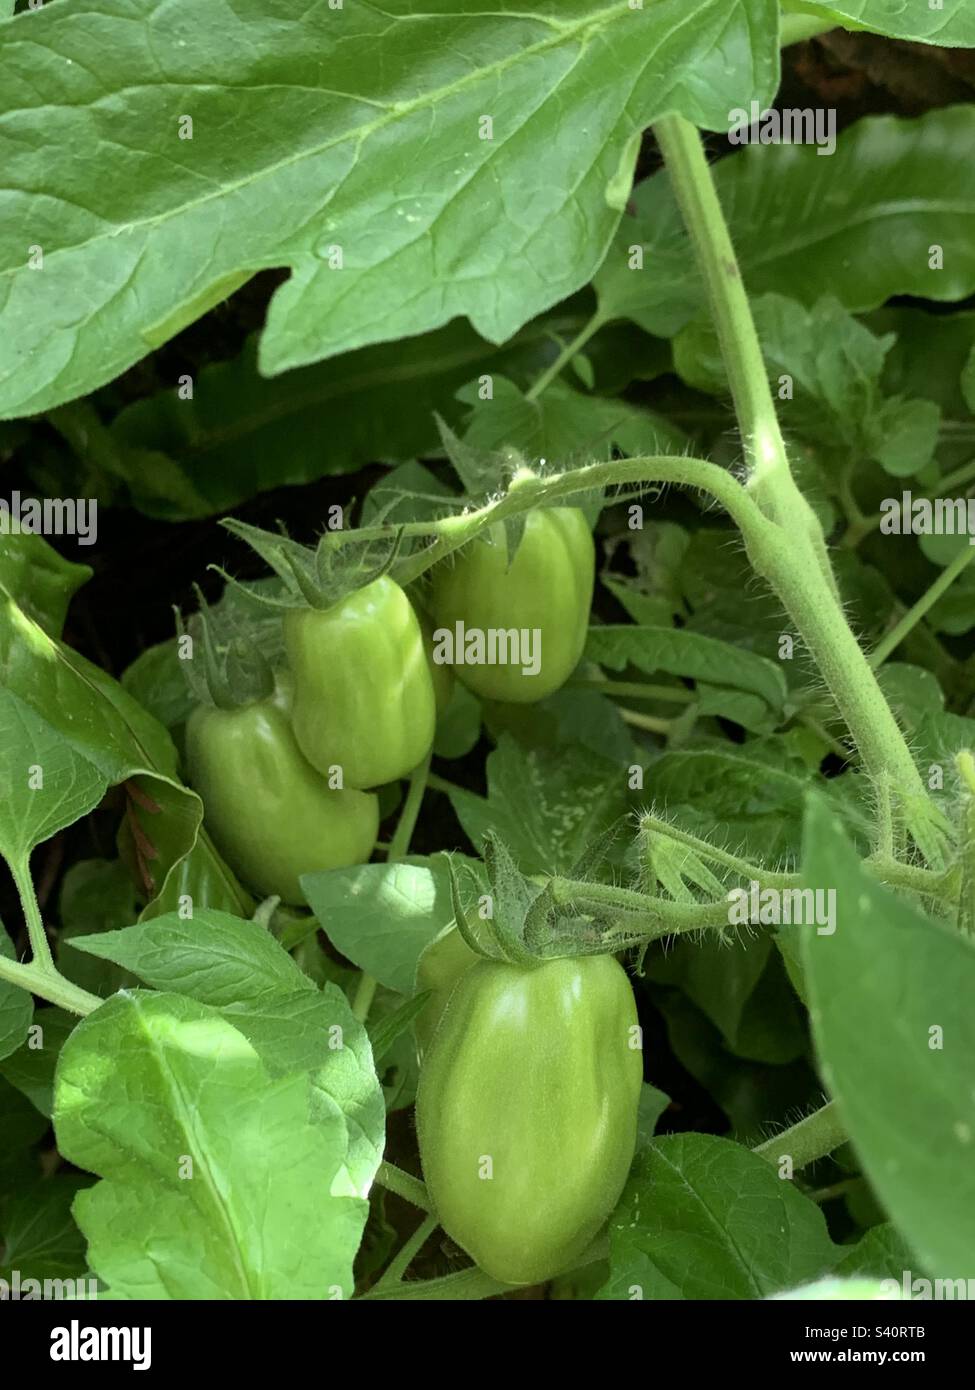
(40, 975)
(48, 983)
(792, 557)
(814, 1137)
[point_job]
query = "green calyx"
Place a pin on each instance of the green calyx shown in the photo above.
(314, 577)
(526, 922)
(231, 669)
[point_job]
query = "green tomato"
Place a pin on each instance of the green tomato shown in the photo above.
(527, 1111)
(271, 815)
(547, 589)
(363, 697)
(441, 674)
(442, 962)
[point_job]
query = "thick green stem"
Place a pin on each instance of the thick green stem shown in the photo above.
(792, 557)
(814, 1137)
(770, 480)
(842, 663)
(451, 532)
(48, 984)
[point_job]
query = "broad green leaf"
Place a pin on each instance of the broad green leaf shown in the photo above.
(39, 580)
(680, 653)
(237, 966)
(215, 1182)
(21, 1125)
(936, 740)
(31, 1068)
(382, 915)
(46, 784)
(157, 681)
(98, 736)
(950, 22)
(755, 796)
(315, 1032)
(242, 433)
(16, 1005)
(38, 1234)
(459, 726)
(202, 878)
(341, 108)
(653, 1103)
(749, 1093)
(215, 958)
(718, 976)
(929, 355)
(571, 718)
(703, 1218)
(653, 596)
(563, 423)
(547, 806)
(881, 206)
(881, 1251)
(954, 612)
(890, 996)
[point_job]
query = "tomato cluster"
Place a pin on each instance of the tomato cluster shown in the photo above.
(288, 783)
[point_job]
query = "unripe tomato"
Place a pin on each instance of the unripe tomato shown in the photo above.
(271, 815)
(442, 962)
(527, 1111)
(363, 697)
(441, 674)
(548, 588)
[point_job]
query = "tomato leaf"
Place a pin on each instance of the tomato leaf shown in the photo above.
(890, 995)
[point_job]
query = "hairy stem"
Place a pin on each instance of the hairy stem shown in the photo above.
(404, 1185)
(814, 1137)
(792, 557)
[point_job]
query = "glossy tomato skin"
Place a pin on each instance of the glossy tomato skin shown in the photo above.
(537, 1073)
(442, 963)
(548, 588)
(363, 697)
(441, 674)
(271, 815)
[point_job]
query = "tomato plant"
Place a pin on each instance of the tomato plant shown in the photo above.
(535, 860)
